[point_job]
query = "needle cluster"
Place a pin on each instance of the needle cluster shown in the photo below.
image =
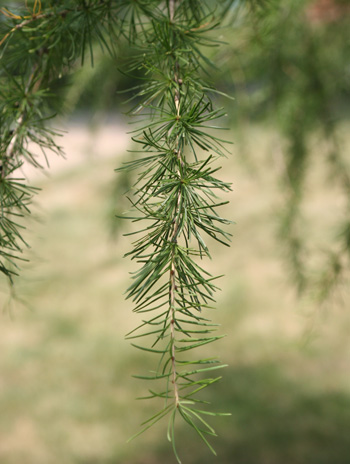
(175, 202)
(39, 43)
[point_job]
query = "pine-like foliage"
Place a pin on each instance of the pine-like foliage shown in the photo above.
(38, 43)
(176, 195)
(175, 204)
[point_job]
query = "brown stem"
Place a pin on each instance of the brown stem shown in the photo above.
(176, 219)
(172, 330)
(11, 149)
(171, 10)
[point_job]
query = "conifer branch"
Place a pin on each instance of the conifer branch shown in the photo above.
(27, 21)
(39, 47)
(175, 192)
(11, 149)
(176, 220)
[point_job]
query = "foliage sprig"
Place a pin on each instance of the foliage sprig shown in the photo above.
(176, 197)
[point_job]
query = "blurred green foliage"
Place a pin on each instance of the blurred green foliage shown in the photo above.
(286, 63)
(290, 65)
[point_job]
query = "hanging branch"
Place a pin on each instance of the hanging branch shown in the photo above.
(175, 196)
(175, 221)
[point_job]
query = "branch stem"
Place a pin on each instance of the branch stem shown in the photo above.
(172, 329)
(33, 18)
(171, 10)
(11, 149)
(172, 283)
(176, 219)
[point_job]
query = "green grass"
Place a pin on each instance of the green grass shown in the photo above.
(66, 391)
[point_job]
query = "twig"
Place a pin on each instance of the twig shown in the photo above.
(34, 17)
(172, 9)
(173, 237)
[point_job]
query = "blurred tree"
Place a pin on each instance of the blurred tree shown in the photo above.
(289, 63)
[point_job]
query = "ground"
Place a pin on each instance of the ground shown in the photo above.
(66, 391)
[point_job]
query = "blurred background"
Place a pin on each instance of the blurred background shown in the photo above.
(66, 391)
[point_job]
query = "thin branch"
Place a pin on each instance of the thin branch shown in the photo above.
(171, 10)
(11, 149)
(34, 17)
(173, 239)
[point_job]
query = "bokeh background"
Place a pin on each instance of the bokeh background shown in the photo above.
(66, 389)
